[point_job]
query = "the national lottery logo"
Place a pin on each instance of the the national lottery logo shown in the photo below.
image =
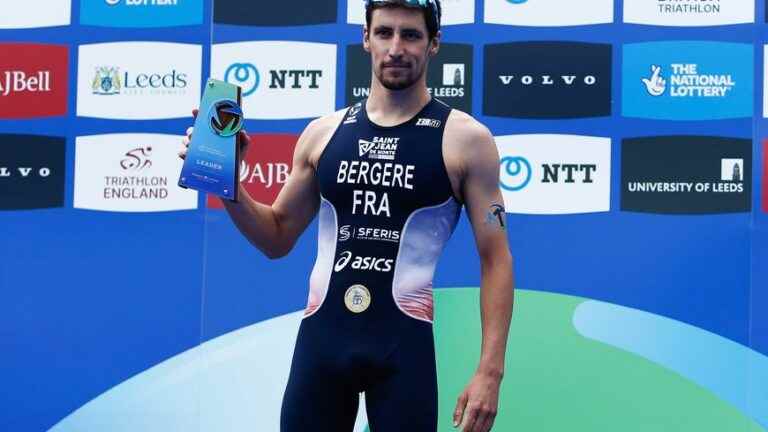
(106, 81)
(143, 2)
(141, 13)
(380, 148)
(686, 81)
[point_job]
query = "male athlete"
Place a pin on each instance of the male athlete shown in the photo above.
(388, 177)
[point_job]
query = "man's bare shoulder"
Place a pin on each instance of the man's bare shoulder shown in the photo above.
(325, 124)
(462, 129)
(317, 134)
(466, 142)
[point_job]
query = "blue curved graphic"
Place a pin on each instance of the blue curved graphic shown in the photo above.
(245, 75)
(733, 372)
(233, 383)
(513, 168)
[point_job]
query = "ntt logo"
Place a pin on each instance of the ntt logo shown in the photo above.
(516, 173)
(245, 75)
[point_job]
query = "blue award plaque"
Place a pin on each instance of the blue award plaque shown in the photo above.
(211, 164)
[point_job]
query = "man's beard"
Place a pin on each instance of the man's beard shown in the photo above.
(404, 81)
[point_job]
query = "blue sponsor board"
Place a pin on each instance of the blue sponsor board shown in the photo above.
(275, 13)
(141, 13)
(687, 80)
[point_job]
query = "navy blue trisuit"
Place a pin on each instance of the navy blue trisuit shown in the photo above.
(386, 211)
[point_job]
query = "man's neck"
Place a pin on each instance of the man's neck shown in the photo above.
(392, 107)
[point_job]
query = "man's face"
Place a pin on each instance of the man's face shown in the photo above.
(399, 45)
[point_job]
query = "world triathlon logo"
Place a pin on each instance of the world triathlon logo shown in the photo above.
(225, 118)
(515, 173)
(245, 75)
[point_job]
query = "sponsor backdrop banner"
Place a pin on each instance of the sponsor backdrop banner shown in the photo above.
(141, 13)
(547, 80)
(34, 80)
(632, 163)
(687, 80)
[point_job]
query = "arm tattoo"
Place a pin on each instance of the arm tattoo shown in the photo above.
(495, 215)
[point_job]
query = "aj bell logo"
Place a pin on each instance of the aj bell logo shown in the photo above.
(19, 81)
(268, 174)
(687, 82)
(363, 263)
(380, 148)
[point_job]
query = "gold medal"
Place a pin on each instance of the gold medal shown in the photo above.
(357, 298)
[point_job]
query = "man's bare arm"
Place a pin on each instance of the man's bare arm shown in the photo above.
(274, 229)
(485, 207)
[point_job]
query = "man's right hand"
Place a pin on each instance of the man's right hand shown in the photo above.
(244, 140)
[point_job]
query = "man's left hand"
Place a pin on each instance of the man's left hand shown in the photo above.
(478, 403)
